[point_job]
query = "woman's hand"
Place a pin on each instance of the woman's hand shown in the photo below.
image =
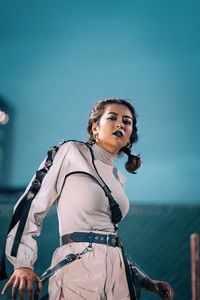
(20, 279)
(162, 288)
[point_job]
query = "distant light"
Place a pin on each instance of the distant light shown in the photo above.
(4, 118)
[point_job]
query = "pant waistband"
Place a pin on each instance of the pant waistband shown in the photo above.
(91, 237)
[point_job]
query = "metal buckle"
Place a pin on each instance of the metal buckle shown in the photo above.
(62, 142)
(36, 182)
(35, 186)
(48, 164)
(107, 239)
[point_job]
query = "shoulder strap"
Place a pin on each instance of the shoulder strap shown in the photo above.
(116, 214)
(28, 198)
(21, 212)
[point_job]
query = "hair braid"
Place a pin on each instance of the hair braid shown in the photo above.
(133, 163)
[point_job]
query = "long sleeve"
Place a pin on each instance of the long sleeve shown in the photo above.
(49, 191)
(138, 273)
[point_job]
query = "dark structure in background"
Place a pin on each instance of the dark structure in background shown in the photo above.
(157, 237)
(6, 143)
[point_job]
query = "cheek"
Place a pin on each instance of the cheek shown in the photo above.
(128, 133)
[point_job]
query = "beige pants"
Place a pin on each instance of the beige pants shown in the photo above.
(98, 275)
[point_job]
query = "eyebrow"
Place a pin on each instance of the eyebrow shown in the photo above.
(114, 113)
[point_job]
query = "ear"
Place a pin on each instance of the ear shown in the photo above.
(94, 128)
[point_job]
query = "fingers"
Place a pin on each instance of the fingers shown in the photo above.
(170, 293)
(30, 290)
(39, 284)
(29, 284)
(15, 287)
(8, 284)
(22, 288)
(20, 284)
(37, 291)
(166, 291)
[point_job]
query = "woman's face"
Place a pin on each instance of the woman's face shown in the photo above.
(114, 128)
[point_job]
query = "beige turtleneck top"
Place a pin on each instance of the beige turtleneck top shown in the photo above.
(81, 202)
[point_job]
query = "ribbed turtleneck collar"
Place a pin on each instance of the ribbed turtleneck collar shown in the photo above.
(103, 155)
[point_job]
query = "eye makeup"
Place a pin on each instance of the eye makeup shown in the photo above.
(127, 120)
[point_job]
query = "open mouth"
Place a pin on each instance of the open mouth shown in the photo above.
(118, 133)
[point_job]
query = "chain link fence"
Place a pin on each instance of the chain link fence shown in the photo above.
(156, 237)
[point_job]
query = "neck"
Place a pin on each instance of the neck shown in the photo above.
(113, 151)
(103, 155)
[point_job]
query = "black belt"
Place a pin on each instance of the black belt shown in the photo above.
(90, 237)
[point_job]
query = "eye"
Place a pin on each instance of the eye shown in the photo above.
(127, 121)
(112, 117)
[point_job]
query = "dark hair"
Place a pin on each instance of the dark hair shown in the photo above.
(97, 111)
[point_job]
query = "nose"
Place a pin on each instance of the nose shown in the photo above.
(119, 125)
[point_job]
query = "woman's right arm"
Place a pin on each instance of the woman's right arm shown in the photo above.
(27, 252)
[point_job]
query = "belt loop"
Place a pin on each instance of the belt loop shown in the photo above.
(91, 239)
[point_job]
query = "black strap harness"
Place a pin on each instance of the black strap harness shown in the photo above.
(22, 210)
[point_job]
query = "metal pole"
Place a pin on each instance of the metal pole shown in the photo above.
(194, 246)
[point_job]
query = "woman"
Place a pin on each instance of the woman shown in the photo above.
(85, 184)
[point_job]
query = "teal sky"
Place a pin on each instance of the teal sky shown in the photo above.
(58, 57)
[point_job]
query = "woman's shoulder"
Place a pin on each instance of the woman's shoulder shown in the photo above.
(66, 148)
(70, 142)
(67, 145)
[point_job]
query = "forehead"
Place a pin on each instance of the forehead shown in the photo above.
(119, 109)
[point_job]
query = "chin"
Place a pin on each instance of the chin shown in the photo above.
(118, 146)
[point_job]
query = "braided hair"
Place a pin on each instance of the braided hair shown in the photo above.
(97, 111)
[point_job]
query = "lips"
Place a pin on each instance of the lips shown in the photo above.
(118, 133)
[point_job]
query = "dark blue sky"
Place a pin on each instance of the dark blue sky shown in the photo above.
(58, 58)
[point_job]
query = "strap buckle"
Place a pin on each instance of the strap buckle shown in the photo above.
(35, 186)
(107, 239)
